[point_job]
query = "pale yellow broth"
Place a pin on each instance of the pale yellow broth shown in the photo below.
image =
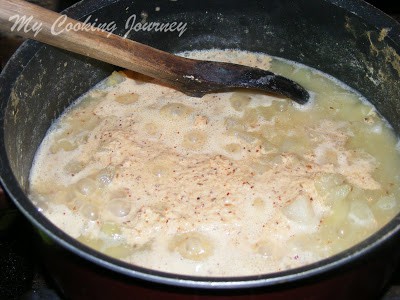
(231, 184)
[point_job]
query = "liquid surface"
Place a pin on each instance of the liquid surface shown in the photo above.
(231, 184)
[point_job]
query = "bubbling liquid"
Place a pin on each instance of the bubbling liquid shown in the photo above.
(232, 184)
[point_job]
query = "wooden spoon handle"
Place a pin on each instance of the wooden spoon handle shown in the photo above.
(52, 28)
(193, 77)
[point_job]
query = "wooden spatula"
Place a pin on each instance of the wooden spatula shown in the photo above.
(192, 77)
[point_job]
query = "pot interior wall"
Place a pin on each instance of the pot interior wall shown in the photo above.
(314, 32)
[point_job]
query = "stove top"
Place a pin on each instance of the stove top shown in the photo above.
(22, 275)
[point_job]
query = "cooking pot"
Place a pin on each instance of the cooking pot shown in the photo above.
(350, 40)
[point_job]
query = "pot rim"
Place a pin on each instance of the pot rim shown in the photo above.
(10, 184)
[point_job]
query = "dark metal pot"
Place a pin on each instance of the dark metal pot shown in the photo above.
(350, 40)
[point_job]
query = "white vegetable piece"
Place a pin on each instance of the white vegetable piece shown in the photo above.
(301, 211)
(361, 214)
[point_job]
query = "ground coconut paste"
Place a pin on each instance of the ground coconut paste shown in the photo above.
(231, 184)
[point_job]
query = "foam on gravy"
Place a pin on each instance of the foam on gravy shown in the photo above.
(231, 184)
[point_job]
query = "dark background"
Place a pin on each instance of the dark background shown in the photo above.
(8, 43)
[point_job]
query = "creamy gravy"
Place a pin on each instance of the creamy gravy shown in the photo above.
(237, 183)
